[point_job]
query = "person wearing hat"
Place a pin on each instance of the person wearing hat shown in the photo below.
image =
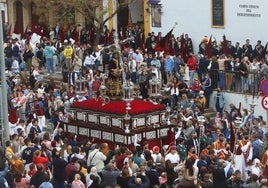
(156, 153)
(173, 155)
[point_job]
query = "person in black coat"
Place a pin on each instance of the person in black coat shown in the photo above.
(152, 174)
(219, 178)
(39, 177)
(58, 165)
(139, 181)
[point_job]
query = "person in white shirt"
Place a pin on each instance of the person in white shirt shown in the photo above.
(173, 155)
(15, 67)
(96, 158)
(154, 71)
(156, 153)
(20, 125)
(89, 60)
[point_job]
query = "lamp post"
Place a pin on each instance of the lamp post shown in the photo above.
(104, 98)
(168, 110)
(4, 104)
(128, 93)
(237, 123)
(154, 85)
(251, 109)
(127, 119)
(201, 121)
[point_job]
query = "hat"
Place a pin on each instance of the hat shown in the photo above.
(173, 147)
(201, 92)
(156, 149)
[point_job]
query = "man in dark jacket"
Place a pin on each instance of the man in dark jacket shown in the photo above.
(58, 165)
(39, 177)
(140, 181)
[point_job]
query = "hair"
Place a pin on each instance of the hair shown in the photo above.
(37, 153)
(46, 136)
(189, 166)
(125, 172)
(77, 177)
(168, 164)
(39, 167)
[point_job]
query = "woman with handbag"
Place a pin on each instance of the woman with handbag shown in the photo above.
(188, 180)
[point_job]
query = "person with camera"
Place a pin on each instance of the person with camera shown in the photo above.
(110, 174)
(139, 180)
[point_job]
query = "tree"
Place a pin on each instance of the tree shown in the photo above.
(95, 13)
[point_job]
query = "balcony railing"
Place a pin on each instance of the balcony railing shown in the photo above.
(235, 81)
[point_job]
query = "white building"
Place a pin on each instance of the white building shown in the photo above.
(242, 19)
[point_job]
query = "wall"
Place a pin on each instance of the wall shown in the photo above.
(194, 18)
(233, 98)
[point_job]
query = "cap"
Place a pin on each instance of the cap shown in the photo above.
(156, 149)
(173, 148)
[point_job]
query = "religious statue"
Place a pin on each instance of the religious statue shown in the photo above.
(114, 81)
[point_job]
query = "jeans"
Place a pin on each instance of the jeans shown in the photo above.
(191, 75)
(133, 77)
(222, 80)
(49, 65)
(245, 85)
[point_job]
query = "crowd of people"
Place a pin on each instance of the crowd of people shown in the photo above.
(228, 150)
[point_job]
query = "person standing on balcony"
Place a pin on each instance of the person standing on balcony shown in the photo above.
(228, 65)
(247, 49)
(244, 71)
(236, 84)
(221, 72)
(253, 76)
(213, 68)
(263, 70)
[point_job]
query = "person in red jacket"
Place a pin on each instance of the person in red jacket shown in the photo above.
(192, 64)
(40, 158)
(195, 88)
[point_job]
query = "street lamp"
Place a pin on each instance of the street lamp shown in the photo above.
(237, 124)
(104, 98)
(168, 110)
(128, 93)
(127, 119)
(201, 121)
(154, 85)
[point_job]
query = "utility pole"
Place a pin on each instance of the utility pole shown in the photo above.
(4, 107)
